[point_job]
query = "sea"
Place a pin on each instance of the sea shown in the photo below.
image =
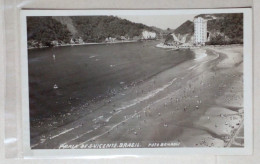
(61, 78)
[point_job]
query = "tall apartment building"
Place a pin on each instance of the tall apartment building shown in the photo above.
(200, 31)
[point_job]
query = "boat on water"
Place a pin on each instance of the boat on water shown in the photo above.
(55, 86)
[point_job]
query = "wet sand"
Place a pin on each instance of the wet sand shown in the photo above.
(198, 103)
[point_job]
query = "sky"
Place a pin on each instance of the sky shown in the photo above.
(161, 21)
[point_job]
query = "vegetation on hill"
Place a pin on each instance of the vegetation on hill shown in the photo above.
(45, 30)
(48, 31)
(185, 28)
(225, 28)
(97, 28)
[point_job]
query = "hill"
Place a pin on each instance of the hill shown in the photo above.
(183, 33)
(47, 31)
(226, 29)
(185, 28)
(222, 28)
(42, 30)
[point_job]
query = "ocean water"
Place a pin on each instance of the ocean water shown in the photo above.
(64, 77)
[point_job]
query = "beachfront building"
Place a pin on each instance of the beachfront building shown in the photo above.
(148, 35)
(110, 39)
(200, 31)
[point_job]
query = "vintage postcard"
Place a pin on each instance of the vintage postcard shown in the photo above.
(108, 80)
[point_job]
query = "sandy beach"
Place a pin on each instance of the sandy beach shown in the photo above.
(198, 103)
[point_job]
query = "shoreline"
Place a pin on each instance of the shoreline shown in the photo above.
(85, 44)
(163, 46)
(160, 45)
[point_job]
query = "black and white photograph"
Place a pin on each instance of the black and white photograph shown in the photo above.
(111, 81)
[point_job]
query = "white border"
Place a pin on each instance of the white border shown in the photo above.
(136, 152)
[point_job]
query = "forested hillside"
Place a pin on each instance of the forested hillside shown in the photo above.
(97, 28)
(225, 28)
(184, 32)
(222, 28)
(43, 31)
(186, 28)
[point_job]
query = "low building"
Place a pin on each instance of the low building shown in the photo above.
(80, 40)
(123, 38)
(110, 39)
(72, 41)
(54, 43)
(148, 35)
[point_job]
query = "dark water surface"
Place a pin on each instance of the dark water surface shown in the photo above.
(92, 72)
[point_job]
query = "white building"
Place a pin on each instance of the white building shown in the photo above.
(200, 31)
(148, 35)
(110, 39)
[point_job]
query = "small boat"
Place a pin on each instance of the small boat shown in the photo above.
(55, 86)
